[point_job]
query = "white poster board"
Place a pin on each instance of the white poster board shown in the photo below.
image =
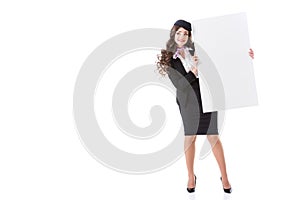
(226, 71)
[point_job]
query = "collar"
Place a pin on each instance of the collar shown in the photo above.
(176, 54)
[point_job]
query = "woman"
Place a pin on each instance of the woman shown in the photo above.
(178, 61)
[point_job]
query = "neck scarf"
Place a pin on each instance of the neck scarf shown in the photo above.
(176, 54)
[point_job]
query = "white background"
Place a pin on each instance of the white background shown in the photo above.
(42, 47)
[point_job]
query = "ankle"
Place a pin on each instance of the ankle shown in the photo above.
(225, 183)
(191, 176)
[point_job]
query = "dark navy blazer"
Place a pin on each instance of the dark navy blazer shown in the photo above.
(185, 82)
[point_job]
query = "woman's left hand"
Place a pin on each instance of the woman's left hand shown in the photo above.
(196, 60)
(251, 53)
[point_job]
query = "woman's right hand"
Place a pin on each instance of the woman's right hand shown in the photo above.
(195, 70)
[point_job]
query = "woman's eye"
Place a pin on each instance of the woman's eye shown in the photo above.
(183, 34)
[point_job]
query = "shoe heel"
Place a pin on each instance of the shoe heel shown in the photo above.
(191, 190)
(228, 190)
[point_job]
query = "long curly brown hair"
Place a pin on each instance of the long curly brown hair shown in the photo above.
(164, 59)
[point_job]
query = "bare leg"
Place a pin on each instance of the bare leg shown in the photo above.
(218, 151)
(189, 147)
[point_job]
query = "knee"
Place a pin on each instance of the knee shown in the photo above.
(213, 139)
(190, 139)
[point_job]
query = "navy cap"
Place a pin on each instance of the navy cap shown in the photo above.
(184, 24)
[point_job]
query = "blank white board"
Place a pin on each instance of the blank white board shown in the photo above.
(226, 70)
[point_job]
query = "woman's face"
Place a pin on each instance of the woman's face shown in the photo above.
(181, 37)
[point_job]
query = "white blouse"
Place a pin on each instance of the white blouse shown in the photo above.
(206, 97)
(188, 61)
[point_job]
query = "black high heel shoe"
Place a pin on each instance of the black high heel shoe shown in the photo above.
(191, 190)
(229, 190)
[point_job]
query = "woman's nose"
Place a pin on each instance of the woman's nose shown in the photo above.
(181, 36)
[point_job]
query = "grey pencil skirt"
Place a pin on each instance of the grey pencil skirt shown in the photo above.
(196, 122)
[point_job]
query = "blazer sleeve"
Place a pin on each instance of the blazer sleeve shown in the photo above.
(180, 81)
